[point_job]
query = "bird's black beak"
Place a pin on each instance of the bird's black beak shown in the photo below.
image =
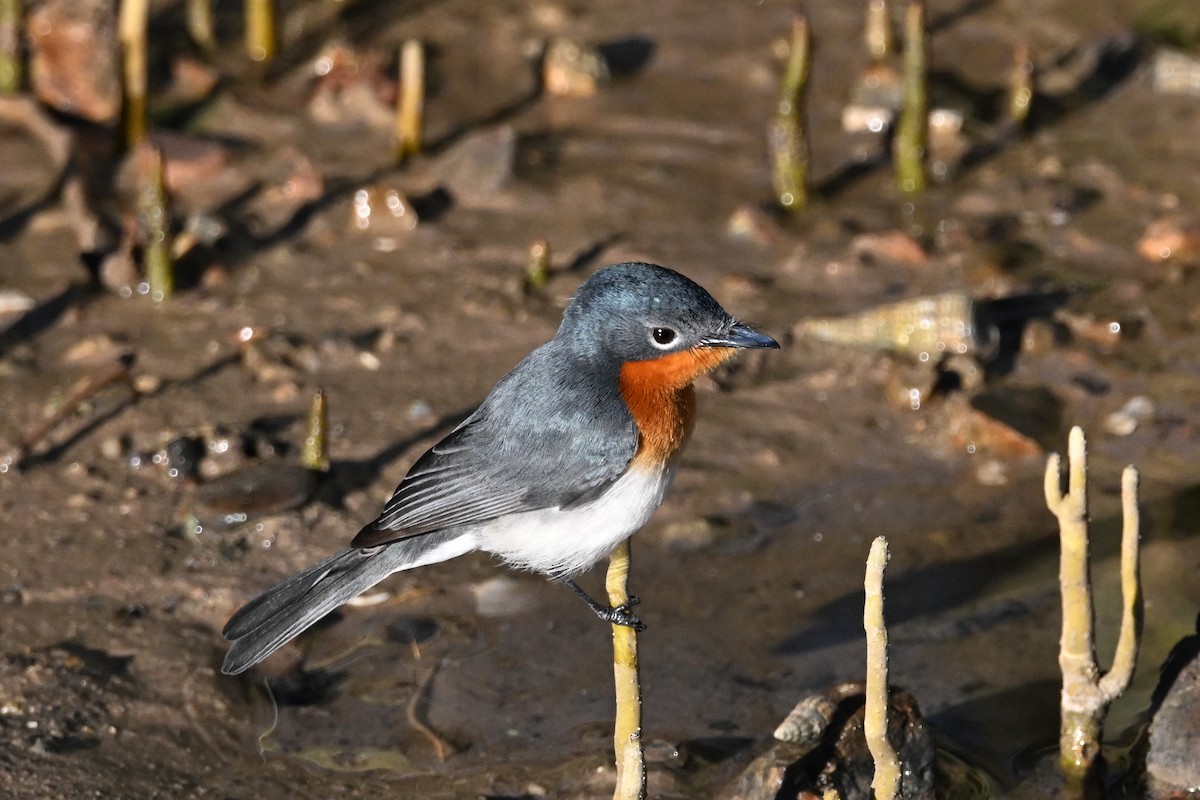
(742, 336)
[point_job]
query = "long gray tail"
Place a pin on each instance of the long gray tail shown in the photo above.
(282, 613)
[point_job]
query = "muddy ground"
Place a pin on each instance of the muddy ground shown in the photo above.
(751, 572)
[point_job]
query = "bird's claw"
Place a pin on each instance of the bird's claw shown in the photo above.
(622, 615)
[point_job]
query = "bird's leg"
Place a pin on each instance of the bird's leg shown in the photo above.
(620, 615)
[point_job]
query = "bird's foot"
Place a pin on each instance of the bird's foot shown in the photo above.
(622, 614)
(618, 615)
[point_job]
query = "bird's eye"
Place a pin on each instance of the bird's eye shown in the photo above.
(662, 336)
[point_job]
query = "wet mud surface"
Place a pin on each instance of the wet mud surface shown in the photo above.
(464, 680)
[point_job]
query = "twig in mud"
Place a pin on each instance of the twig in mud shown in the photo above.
(440, 746)
(788, 134)
(886, 783)
(1020, 86)
(315, 455)
(110, 374)
(1085, 694)
(260, 30)
(877, 32)
(627, 729)
(10, 46)
(912, 128)
(200, 23)
(154, 218)
(537, 269)
(132, 22)
(410, 101)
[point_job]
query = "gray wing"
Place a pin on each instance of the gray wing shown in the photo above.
(550, 434)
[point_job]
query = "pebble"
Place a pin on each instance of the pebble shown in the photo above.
(73, 57)
(1131, 415)
(502, 596)
(92, 350)
(693, 534)
(750, 223)
(352, 89)
(894, 247)
(480, 167)
(1171, 238)
(15, 302)
(571, 69)
(1172, 769)
(1176, 72)
(382, 211)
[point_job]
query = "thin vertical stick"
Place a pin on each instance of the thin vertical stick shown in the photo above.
(886, 782)
(627, 730)
(1085, 695)
(315, 455)
(537, 270)
(912, 129)
(788, 136)
(10, 46)
(1020, 85)
(260, 30)
(1119, 676)
(410, 104)
(132, 21)
(154, 216)
(878, 30)
(200, 23)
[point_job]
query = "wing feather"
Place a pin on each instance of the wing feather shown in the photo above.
(512, 456)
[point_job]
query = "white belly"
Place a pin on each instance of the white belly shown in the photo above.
(566, 542)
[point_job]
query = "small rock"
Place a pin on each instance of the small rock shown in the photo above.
(13, 301)
(382, 211)
(1170, 239)
(352, 89)
(112, 448)
(857, 118)
(1172, 769)
(991, 472)
(147, 384)
(1125, 421)
(1176, 72)
(191, 81)
(751, 223)
(119, 271)
(93, 350)
(1104, 333)
(73, 57)
(976, 432)
(947, 144)
(1040, 336)
(479, 168)
(693, 534)
(293, 181)
(503, 596)
(189, 161)
(418, 410)
(824, 753)
(257, 490)
(893, 247)
(570, 69)
(875, 100)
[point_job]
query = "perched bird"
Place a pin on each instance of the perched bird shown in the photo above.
(568, 456)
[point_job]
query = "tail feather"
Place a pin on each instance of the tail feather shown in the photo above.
(283, 612)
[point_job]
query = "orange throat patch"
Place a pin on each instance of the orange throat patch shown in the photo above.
(661, 399)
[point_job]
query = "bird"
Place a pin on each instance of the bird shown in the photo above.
(568, 455)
